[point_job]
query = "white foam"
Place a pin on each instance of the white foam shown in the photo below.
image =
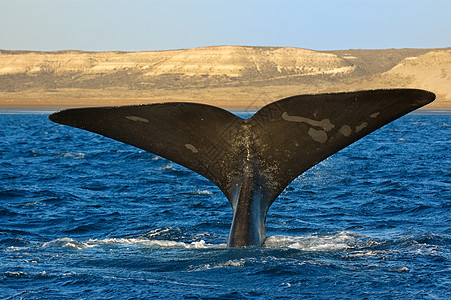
(166, 167)
(399, 270)
(233, 263)
(228, 264)
(157, 232)
(35, 203)
(74, 155)
(203, 192)
(314, 242)
(153, 243)
(68, 243)
(14, 248)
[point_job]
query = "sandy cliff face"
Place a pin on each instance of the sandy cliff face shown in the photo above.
(250, 62)
(231, 61)
(63, 62)
(431, 71)
(226, 74)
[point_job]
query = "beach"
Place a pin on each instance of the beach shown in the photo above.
(50, 104)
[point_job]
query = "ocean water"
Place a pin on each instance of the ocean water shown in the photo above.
(83, 216)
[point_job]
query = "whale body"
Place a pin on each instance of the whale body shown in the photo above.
(251, 160)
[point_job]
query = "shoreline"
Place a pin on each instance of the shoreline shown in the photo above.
(49, 104)
(51, 109)
(38, 104)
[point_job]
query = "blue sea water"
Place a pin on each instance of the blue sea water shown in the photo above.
(83, 216)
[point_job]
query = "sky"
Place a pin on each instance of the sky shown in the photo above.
(140, 25)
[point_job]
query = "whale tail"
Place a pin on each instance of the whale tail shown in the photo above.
(250, 160)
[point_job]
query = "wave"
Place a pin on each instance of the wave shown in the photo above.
(41, 275)
(313, 242)
(231, 263)
(154, 243)
(69, 243)
(352, 243)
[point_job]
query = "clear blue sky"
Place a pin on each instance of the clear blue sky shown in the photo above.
(135, 25)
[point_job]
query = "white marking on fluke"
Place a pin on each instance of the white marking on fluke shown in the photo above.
(375, 115)
(137, 119)
(325, 124)
(192, 148)
(345, 130)
(361, 126)
(317, 135)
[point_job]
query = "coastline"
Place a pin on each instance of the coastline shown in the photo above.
(55, 104)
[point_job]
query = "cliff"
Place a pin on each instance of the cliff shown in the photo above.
(228, 76)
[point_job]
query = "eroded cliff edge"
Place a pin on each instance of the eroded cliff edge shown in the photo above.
(228, 76)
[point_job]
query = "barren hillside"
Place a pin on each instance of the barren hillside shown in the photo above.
(229, 76)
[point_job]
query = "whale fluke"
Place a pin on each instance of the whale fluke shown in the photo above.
(250, 160)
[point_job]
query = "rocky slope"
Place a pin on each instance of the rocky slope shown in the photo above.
(224, 75)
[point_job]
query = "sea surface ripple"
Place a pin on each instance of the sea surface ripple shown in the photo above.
(83, 216)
